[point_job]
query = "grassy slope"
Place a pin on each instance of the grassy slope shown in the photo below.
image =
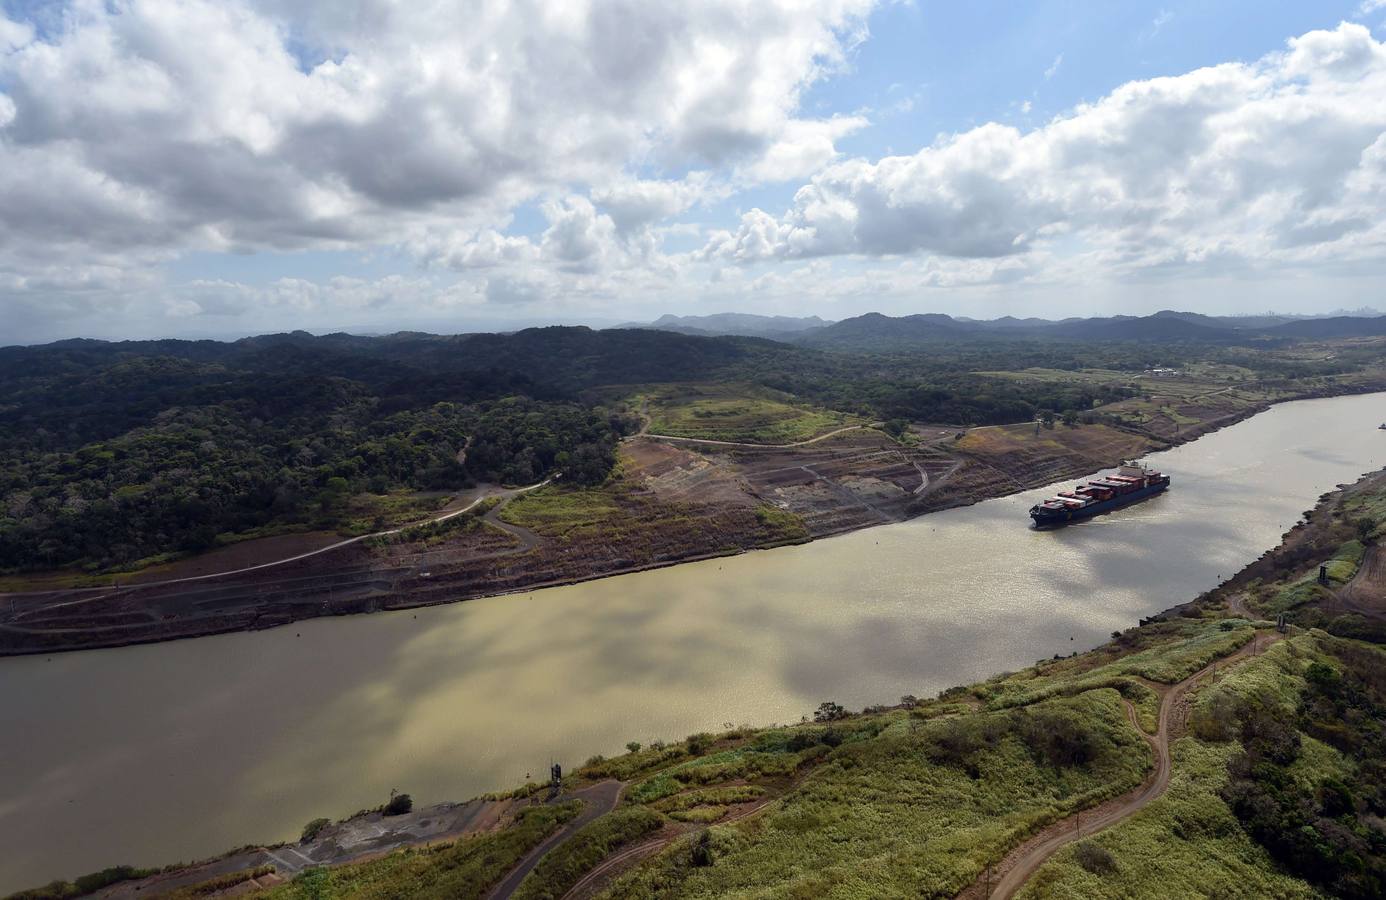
(875, 817)
(462, 869)
(1188, 843)
(736, 412)
(606, 513)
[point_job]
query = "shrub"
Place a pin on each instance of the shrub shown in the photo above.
(1094, 858)
(312, 830)
(1216, 719)
(1054, 737)
(699, 743)
(702, 850)
(86, 884)
(956, 741)
(399, 805)
(223, 882)
(633, 746)
(829, 711)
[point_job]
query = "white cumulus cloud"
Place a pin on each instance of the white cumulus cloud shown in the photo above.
(152, 126)
(1277, 160)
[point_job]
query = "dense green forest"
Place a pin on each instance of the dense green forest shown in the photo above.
(1329, 834)
(118, 452)
(111, 456)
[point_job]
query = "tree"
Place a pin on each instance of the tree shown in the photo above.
(702, 850)
(399, 805)
(829, 711)
(633, 746)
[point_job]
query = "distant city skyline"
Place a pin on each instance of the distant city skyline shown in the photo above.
(217, 169)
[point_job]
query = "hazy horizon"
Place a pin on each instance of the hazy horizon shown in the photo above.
(444, 329)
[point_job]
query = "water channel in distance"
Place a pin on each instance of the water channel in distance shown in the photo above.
(152, 754)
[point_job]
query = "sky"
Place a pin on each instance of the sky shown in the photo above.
(216, 168)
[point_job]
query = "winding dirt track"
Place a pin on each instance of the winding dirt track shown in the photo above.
(598, 800)
(1363, 594)
(1025, 860)
(527, 537)
(612, 864)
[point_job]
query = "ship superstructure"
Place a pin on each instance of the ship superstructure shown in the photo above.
(1131, 483)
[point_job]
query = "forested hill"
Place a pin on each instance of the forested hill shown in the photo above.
(115, 453)
(874, 332)
(118, 452)
(573, 357)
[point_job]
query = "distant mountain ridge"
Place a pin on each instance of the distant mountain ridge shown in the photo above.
(874, 331)
(734, 324)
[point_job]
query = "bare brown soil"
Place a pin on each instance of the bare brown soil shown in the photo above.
(237, 556)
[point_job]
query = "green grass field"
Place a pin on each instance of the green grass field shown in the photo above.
(742, 413)
(556, 511)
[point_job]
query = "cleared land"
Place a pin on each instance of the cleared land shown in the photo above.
(735, 412)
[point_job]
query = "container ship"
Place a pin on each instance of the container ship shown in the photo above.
(1131, 483)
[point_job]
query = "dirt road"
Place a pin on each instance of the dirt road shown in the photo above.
(485, 494)
(1025, 860)
(1365, 592)
(597, 877)
(1236, 605)
(598, 800)
(812, 440)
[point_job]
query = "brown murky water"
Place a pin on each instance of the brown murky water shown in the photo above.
(148, 755)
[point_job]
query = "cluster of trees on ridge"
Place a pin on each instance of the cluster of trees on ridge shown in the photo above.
(127, 458)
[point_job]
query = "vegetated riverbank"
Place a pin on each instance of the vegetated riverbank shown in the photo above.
(668, 504)
(1200, 751)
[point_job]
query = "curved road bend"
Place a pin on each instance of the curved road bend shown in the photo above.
(813, 440)
(1026, 859)
(598, 800)
(630, 854)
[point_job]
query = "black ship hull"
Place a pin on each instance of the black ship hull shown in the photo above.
(1049, 518)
